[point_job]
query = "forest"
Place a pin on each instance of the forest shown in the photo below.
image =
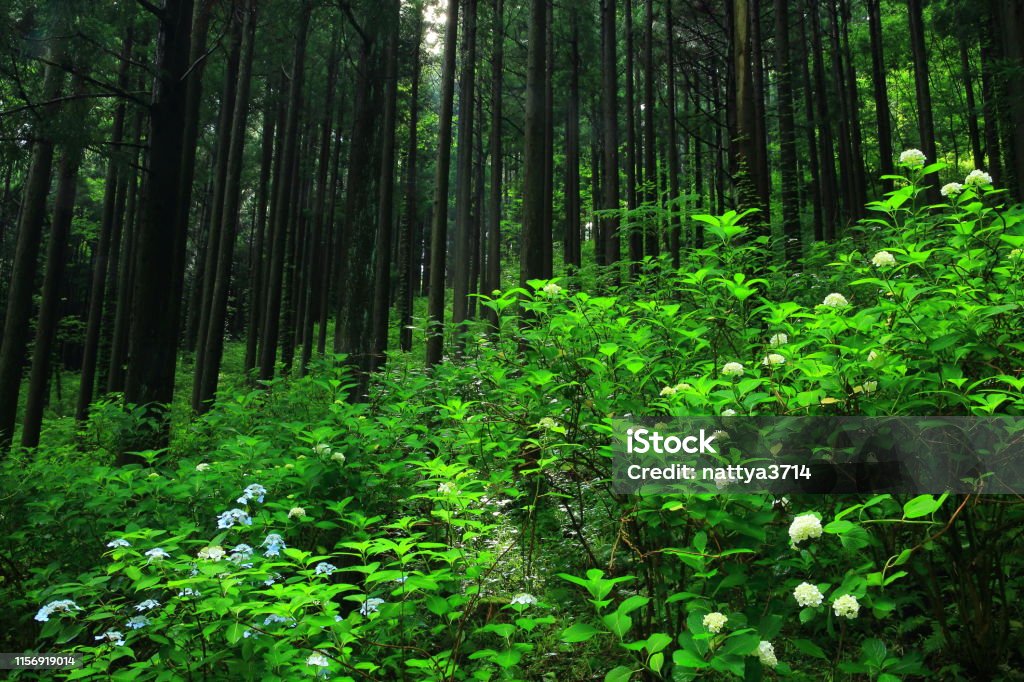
(323, 321)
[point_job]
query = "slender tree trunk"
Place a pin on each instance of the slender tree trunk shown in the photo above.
(744, 142)
(30, 232)
(826, 153)
(610, 244)
(636, 236)
(674, 227)
(787, 135)
(925, 126)
(531, 253)
(547, 238)
(382, 276)
(973, 130)
(859, 189)
(257, 265)
(991, 105)
(571, 243)
(652, 244)
(407, 240)
(439, 220)
(762, 175)
(282, 204)
(493, 274)
(229, 217)
(111, 187)
(881, 90)
(1011, 19)
(463, 175)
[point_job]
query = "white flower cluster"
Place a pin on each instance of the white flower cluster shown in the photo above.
(732, 369)
(846, 606)
(525, 599)
(147, 605)
(547, 423)
(913, 158)
(157, 553)
(728, 412)
(318, 660)
(212, 553)
(773, 359)
(137, 622)
(978, 178)
(883, 259)
(58, 606)
(324, 568)
(112, 636)
(552, 289)
(715, 621)
(296, 512)
(835, 301)
(119, 542)
(202, 466)
(807, 594)
(804, 527)
(951, 189)
(766, 654)
(777, 340)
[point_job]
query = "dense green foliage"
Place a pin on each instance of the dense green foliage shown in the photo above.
(459, 524)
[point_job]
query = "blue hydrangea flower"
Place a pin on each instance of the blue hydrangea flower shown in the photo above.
(112, 636)
(371, 605)
(147, 605)
(232, 516)
(137, 622)
(324, 568)
(274, 544)
(119, 542)
(252, 492)
(157, 553)
(60, 606)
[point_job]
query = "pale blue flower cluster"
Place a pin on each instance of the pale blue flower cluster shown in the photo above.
(324, 568)
(371, 605)
(240, 554)
(147, 605)
(274, 544)
(233, 516)
(252, 492)
(157, 553)
(112, 636)
(119, 542)
(137, 622)
(60, 606)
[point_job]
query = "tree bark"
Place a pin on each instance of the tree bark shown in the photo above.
(925, 125)
(787, 136)
(463, 175)
(610, 244)
(883, 119)
(531, 252)
(492, 277)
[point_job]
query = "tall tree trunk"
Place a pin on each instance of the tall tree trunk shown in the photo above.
(652, 245)
(826, 153)
(571, 243)
(30, 232)
(113, 192)
(925, 126)
(744, 142)
(991, 96)
(531, 252)
(493, 274)
(159, 251)
(382, 275)
(229, 216)
(547, 238)
(463, 174)
(845, 118)
(762, 175)
(1011, 19)
(56, 263)
(675, 208)
(282, 205)
(636, 235)
(973, 130)
(406, 258)
(859, 189)
(610, 244)
(787, 135)
(439, 220)
(883, 119)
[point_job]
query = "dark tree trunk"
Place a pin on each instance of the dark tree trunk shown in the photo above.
(531, 251)
(973, 130)
(571, 243)
(651, 239)
(882, 115)
(282, 204)
(382, 275)
(826, 153)
(30, 232)
(925, 126)
(610, 244)
(439, 219)
(787, 135)
(407, 260)
(636, 236)
(1011, 20)
(463, 174)
(991, 100)
(492, 277)
(674, 226)
(762, 175)
(547, 238)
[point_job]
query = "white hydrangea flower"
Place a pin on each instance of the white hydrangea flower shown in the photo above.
(118, 542)
(835, 301)
(778, 340)
(525, 599)
(318, 660)
(337, 457)
(296, 512)
(978, 178)
(669, 390)
(552, 289)
(202, 466)
(212, 553)
(803, 527)
(732, 369)
(157, 553)
(773, 359)
(728, 412)
(112, 636)
(322, 449)
(715, 621)
(766, 654)
(883, 259)
(547, 423)
(324, 568)
(807, 594)
(371, 605)
(446, 488)
(683, 386)
(913, 158)
(59, 606)
(951, 189)
(846, 606)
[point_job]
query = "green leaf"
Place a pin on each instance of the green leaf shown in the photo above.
(810, 648)
(619, 674)
(580, 632)
(922, 505)
(618, 622)
(687, 659)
